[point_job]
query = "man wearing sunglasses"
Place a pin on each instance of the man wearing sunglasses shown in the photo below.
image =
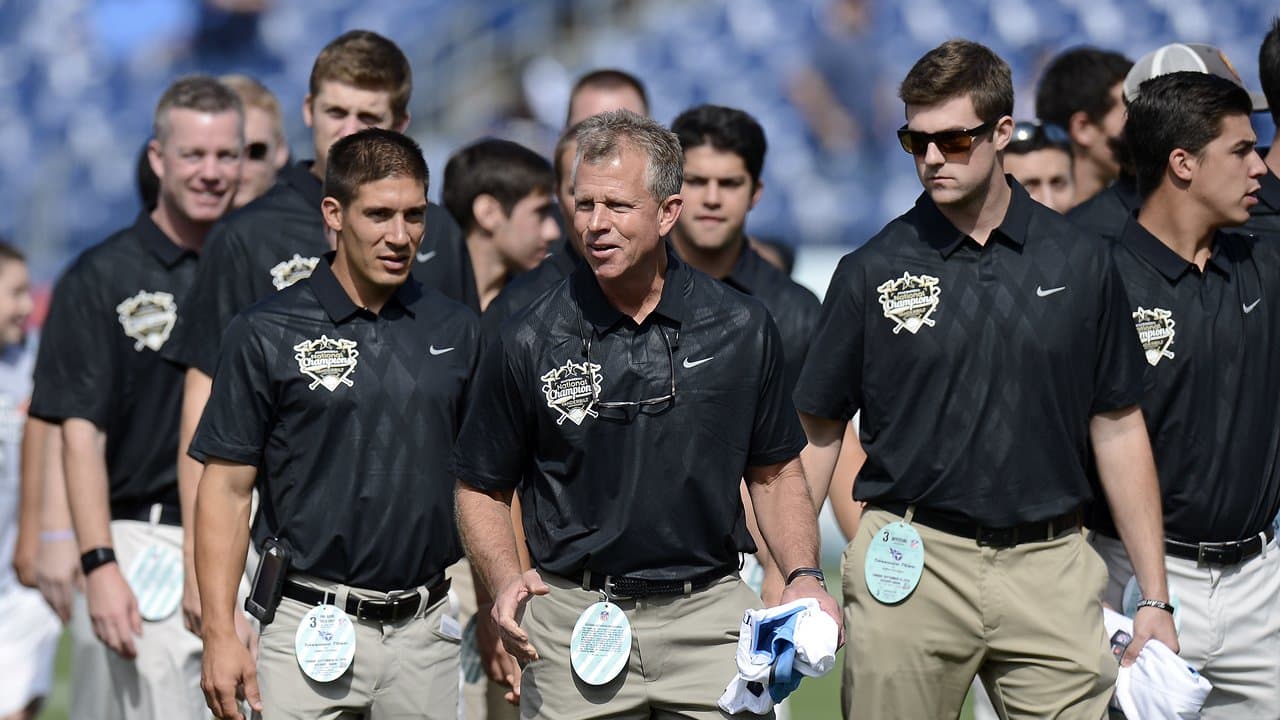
(1204, 303)
(988, 345)
(265, 149)
(628, 403)
(1038, 156)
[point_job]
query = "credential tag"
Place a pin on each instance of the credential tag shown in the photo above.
(325, 643)
(601, 643)
(155, 577)
(895, 561)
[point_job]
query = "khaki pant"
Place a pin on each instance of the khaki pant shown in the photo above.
(682, 654)
(163, 681)
(483, 699)
(400, 670)
(1027, 620)
(1229, 625)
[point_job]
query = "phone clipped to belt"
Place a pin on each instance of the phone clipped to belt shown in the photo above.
(268, 582)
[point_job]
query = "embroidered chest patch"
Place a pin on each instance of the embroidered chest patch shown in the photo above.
(571, 390)
(909, 301)
(327, 362)
(1155, 332)
(148, 318)
(288, 272)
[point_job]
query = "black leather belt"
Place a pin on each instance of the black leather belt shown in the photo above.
(1004, 537)
(1220, 553)
(622, 586)
(169, 514)
(393, 608)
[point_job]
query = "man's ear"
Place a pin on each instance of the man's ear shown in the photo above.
(1083, 131)
(332, 212)
(155, 153)
(307, 118)
(1182, 164)
(669, 213)
(755, 194)
(488, 213)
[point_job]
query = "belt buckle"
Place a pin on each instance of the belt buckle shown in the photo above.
(1201, 550)
(360, 605)
(608, 591)
(997, 537)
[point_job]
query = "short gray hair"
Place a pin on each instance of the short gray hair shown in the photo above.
(603, 136)
(201, 93)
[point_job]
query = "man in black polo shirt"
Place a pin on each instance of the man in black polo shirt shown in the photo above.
(347, 391)
(724, 150)
(359, 80)
(100, 375)
(986, 341)
(1108, 211)
(1208, 319)
(1265, 216)
(628, 403)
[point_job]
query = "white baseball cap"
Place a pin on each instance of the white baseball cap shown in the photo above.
(1185, 57)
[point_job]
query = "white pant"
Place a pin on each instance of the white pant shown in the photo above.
(28, 639)
(163, 681)
(1229, 625)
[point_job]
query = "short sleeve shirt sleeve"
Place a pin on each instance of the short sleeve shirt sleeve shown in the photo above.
(236, 422)
(1119, 367)
(830, 383)
(493, 441)
(79, 327)
(776, 435)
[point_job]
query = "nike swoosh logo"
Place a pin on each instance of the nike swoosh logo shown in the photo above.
(423, 257)
(1249, 308)
(1040, 292)
(439, 351)
(696, 363)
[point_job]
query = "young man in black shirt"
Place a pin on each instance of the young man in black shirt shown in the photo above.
(347, 391)
(359, 80)
(632, 498)
(986, 341)
(101, 376)
(499, 193)
(1205, 306)
(1080, 92)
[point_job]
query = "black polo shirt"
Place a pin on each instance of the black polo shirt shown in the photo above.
(1212, 344)
(527, 286)
(1265, 216)
(650, 493)
(110, 316)
(976, 368)
(794, 307)
(277, 240)
(1105, 214)
(351, 417)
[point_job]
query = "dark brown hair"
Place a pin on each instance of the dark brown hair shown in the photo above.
(368, 61)
(368, 156)
(957, 68)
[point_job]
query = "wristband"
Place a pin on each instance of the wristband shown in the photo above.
(57, 535)
(96, 558)
(809, 572)
(1156, 604)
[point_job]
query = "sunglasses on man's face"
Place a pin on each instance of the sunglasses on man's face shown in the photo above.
(1033, 133)
(256, 151)
(949, 142)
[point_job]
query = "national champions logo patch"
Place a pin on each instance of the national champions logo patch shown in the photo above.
(909, 301)
(327, 362)
(288, 272)
(571, 390)
(1155, 332)
(148, 318)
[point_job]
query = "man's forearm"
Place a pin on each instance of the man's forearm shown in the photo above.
(820, 456)
(55, 509)
(88, 494)
(484, 521)
(1127, 472)
(195, 395)
(221, 541)
(785, 514)
(35, 435)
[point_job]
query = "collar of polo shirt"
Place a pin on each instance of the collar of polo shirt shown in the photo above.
(339, 306)
(946, 237)
(154, 240)
(1269, 193)
(603, 316)
(1170, 264)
